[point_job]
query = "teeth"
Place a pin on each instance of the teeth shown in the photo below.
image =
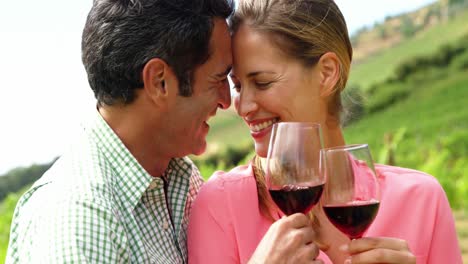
(261, 126)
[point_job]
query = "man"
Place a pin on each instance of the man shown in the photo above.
(123, 190)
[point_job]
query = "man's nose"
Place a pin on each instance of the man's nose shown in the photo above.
(224, 97)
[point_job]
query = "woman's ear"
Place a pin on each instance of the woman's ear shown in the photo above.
(329, 70)
(156, 78)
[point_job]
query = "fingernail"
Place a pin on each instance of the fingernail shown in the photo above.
(344, 248)
(348, 261)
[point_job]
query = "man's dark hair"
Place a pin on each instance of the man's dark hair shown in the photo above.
(121, 36)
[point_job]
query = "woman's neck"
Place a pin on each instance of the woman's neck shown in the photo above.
(333, 136)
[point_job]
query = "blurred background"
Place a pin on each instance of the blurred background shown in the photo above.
(406, 95)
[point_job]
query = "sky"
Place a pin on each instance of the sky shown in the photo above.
(44, 91)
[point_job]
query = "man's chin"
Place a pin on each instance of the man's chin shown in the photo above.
(200, 149)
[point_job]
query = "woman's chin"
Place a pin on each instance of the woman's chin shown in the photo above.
(261, 150)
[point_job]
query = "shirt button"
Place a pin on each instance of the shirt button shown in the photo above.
(153, 185)
(165, 225)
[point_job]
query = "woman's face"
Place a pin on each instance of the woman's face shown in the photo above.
(271, 87)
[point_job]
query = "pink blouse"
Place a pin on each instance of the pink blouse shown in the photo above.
(226, 225)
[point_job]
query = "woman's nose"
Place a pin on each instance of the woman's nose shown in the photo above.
(245, 103)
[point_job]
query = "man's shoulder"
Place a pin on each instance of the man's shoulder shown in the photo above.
(69, 187)
(59, 211)
(62, 187)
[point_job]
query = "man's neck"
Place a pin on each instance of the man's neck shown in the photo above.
(138, 136)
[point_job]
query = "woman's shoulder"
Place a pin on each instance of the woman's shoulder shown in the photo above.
(228, 190)
(222, 183)
(405, 178)
(237, 176)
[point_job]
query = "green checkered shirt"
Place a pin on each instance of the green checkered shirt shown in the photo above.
(98, 205)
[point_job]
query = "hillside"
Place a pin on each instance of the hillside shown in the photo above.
(393, 30)
(373, 65)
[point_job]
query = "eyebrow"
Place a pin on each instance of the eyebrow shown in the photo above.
(223, 74)
(252, 74)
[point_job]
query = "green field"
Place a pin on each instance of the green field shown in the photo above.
(434, 110)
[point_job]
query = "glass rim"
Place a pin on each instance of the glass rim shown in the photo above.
(311, 124)
(346, 147)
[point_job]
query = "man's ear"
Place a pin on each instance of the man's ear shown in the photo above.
(157, 77)
(329, 69)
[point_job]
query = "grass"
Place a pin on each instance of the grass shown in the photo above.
(381, 66)
(7, 207)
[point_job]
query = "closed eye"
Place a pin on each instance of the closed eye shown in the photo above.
(263, 85)
(220, 82)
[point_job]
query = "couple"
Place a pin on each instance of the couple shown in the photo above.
(125, 192)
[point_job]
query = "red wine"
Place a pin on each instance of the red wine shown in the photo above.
(293, 199)
(352, 219)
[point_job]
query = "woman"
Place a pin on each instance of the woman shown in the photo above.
(291, 62)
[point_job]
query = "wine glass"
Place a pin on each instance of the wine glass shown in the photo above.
(351, 197)
(294, 172)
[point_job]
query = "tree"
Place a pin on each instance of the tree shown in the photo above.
(407, 27)
(18, 178)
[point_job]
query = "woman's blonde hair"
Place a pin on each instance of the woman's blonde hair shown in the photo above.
(303, 30)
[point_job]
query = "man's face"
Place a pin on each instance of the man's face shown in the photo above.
(210, 86)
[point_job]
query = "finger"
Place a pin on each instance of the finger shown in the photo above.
(309, 234)
(314, 250)
(383, 255)
(297, 238)
(306, 254)
(298, 220)
(368, 243)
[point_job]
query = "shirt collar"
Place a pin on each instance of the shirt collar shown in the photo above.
(130, 179)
